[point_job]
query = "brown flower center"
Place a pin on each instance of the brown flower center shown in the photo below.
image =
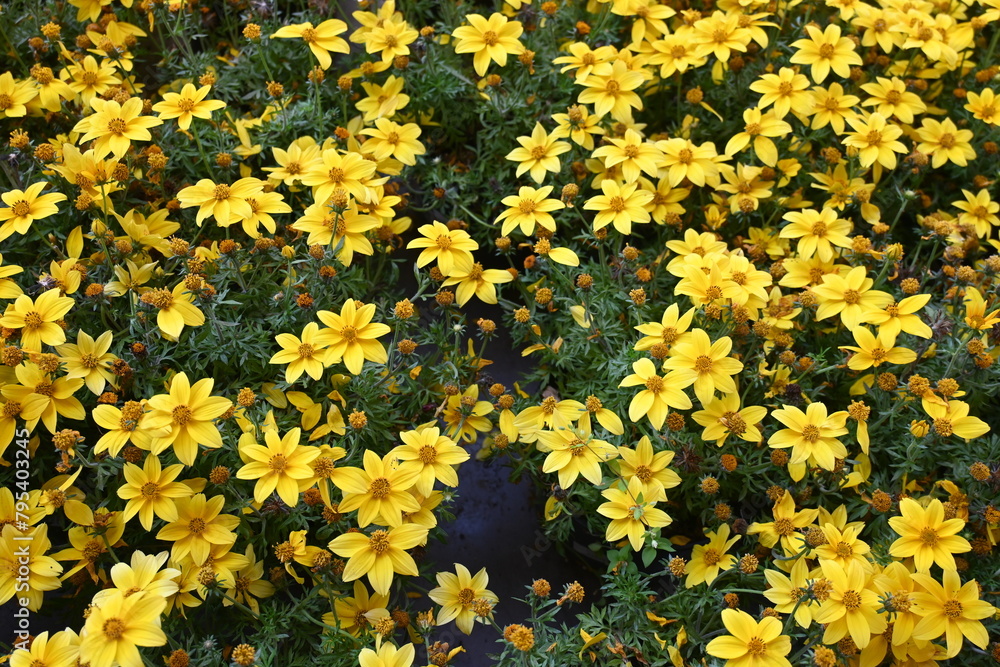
(150, 490)
(851, 600)
(278, 463)
(379, 542)
(616, 204)
(711, 556)
(643, 473)
(113, 629)
(20, 208)
(654, 384)
(756, 646)
(953, 609)
(466, 596)
(852, 297)
(827, 51)
(197, 525)
(490, 38)
(32, 320)
(379, 488)
(117, 126)
(349, 333)
(182, 414)
(703, 364)
(427, 454)
(810, 433)
(221, 192)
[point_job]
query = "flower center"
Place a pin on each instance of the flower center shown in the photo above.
(89, 78)
(278, 463)
(943, 427)
(349, 333)
(929, 536)
(490, 38)
(711, 556)
(874, 137)
(703, 364)
(826, 51)
(713, 292)
(150, 490)
(427, 454)
(538, 152)
(734, 422)
(306, 351)
(844, 550)
(631, 151)
(379, 542)
(309, 35)
(444, 242)
(577, 447)
(756, 646)
(852, 600)
(752, 128)
(947, 140)
(196, 525)
(117, 126)
(612, 87)
(379, 488)
(32, 320)
(466, 596)
(526, 206)
(616, 204)
(852, 297)
(44, 388)
(654, 384)
(182, 414)
(783, 527)
(221, 192)
(20, 208)
(810, 433)
(336, 175)
(643, 473)
(113, 629)
(548, 405)
(953, 609)
(185, 104)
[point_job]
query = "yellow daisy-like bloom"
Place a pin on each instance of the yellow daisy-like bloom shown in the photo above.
(751, 644)
(538, 154)
(338, 229)
(849, 296)
(551, 413)
(611, 89)
(57, 395)
(787, 91)
(358, 612)
(875, 140)
(176, 309)
(852, 608)
(783, 528)
(818, 232)
(723, 417)
(670, 330)
(529, 207)
(387, 655)
(926, 535)
(631, 514)
(826, 50)
(944, 142)
(759, 128)
(339, 171)
(431, 455)
(123, 426)
(979, 210)
(37, 319)
(188, 410)
(23, 207)
(975, 311)
(278, 466)
(115, 628)
(465, 415)
(15, 95)
(491, 40)
(27, 550)
(719, 34)
(633, 155)
(573, 452)
(748, 187)
(262, 205)
(650, 468)
(872, 351)
(226, 203)
(710, 560)
(89, 79)
(379, 491)
(60, 649)
(352, 336)
(304, 355)
(389, 139)
(322, 39)
(456, 593)
(812, 435)
(187, 105)
(577, 124)
(479, 282)
(452, 248)
(984, 105)
(832, 107)
(658, 396)
(620, 205)
(150, 490)
(8, 288)
(843, 546)
(684, 159)
(954, 419)
(891, 98)
(199, 525)
(901, 317)
(391, 38)
(704, 364)
(383, 100)
(115, 126)
(786, 591)
(952, 610)
(379, 555)
(89, 359)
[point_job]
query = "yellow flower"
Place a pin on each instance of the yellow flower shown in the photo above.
(704, 364)
(944, 142)
(387, 655)
(88, 79)
(150, 491)
(670, 330)
(303, 355)
(452, 248)
(583, 60)
(115, 628)
(573, 452)
(188, 410)
(552, 413)
(952, 610)
(649, 468)
(391, 38)
(759, 128)
(226, 203)
(176, 309)
(954, 419)
(719, 34)
(787, 91)
(491, 40)
(115, 126)
(431, 455)
(27, 550)
(187, 105)
(812, 435)
(322, 39)
(786, 520)
(379, 491)
(832, 107)
(262, 205)
(875, 140)
(124, 425)
(849, 296)
(479, 282)
(983, 105)
(975, 311)
(294, 162)
(15, 95)
(538, 154)
(902, 317)
(632, 155)
(529, 207)
(709, 560)
(465, 414)
(723, 416)
(891, 98)
(198, 527)
(826, 50)
(8, 288)
(358, 612)
(23, 207)
(979, 210)
(57, 650)
(379, 555)
(577, 124)
(631, 514)
(611, 89)
(657, 398)
(926, 535)
(620, 205)
(395, 140)
(338, 229)
(684, 159)
(852, 608)
(57, 396)
(456, 593)
(818, 232)
(37, 319)
(749, 642)
(383, 100)
(352, 336)
(141, 575)
(90, 360)
(278, 467)
(786, 591)
(747, 185)
(873, 351)
(843, 546)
